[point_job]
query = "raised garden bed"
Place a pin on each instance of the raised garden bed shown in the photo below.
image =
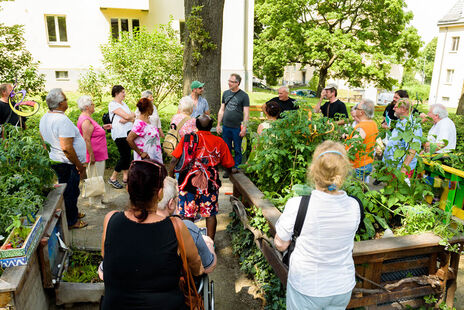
(22, 287)
(390, 271)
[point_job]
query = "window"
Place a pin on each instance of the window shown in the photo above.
(61, 75)
(445, 99)
(182, 31)
(449, 76)
(123, 24)
(454, 44)
(56, 29)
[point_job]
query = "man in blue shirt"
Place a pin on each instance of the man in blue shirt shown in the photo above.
(200, 105)
(407, 162)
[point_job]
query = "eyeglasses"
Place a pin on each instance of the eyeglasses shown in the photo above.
(230, 81)
(160, 167)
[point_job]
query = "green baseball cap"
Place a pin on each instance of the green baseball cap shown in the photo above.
(196, 84)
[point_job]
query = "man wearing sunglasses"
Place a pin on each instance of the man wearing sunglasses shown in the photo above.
(200, 104)
(235, 112)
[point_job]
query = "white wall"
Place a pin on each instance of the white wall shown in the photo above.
(446, 59)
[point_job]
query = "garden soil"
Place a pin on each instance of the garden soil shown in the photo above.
(233, 289)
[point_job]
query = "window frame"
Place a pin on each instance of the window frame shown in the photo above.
(64, 78)
(455, 41)
(449, 76)
(130, 24)
(58, 41)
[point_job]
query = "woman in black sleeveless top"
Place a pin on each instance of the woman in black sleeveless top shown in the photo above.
(141, 263)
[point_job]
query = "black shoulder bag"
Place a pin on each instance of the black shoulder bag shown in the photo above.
(230, 98)
(302, 209)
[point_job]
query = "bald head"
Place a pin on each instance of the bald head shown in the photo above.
(204, 122)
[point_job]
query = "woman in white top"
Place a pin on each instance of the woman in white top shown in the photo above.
(122, 121)
(321, 272)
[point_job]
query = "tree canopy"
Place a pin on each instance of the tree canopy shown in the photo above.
(16, 62)
(355, 40)
(427, 60)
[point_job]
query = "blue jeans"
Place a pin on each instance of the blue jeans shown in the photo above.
(233, 134)
(362, 172)
(68, 174)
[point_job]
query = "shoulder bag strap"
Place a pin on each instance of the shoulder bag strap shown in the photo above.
(182, 122)
(185, 268)
(361, 209)
(225, 104)
(302, 209)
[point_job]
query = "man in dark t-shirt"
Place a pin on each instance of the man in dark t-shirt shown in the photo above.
(6, 114)
(234, 114)
(285, 102)
(333, 108)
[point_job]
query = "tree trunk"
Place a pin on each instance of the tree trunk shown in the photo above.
(460, 109)
(208, 69)
(322, 78)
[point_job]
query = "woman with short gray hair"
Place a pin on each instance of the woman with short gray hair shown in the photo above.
(182, 120)
(95, 141)
(367, 130)
(67, 153)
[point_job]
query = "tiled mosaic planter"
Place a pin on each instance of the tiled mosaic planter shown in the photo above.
(19, 257)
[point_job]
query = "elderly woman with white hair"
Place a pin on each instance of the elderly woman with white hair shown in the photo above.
(184, 123)
(95, 141)
(367, 130)
(67, 152)
(442, 136)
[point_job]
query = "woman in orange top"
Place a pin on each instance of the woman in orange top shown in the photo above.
(367, 130)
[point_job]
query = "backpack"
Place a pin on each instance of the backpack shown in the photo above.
(107, 120)
(188, 153)
(172, 138)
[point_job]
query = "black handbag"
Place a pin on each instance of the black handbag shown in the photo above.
(302, 209)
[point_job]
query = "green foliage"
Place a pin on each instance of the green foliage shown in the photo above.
(198, 38)
(83, 267)
(16, 62)
(93, 83)
(252, 260)
(427, 59)
(145, 60)
(352, 40)
(25, 174)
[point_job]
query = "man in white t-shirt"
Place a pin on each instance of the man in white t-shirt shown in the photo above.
(442, 136)
(67, 152)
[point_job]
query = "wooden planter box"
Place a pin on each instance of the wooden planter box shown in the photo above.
(22, 287)
(20, 256)
(390, 271)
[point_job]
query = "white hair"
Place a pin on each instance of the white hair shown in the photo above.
(440, 110)
(186, 105)
(170, 191)
(368, 107)
(147, 93)
(84, 102)
(54, 98)
(284, 88)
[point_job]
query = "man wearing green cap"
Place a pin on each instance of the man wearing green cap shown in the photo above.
(200, 105)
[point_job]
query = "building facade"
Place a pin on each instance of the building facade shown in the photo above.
(448, 69)
(65, 36)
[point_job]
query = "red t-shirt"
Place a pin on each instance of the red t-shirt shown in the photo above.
(211, 151)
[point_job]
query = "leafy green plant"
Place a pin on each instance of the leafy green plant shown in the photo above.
(199, 38)
(94, 83)
(145, 60)
(83, 267)
(25, 174)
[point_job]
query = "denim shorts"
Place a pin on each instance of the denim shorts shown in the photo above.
(362, 172)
